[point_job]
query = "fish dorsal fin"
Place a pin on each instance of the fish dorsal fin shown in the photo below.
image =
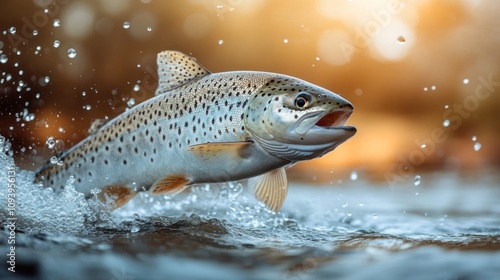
(221, 150)
(116, 195)
(170, 185)
(270, 188)
(96, 125)
(176, 69)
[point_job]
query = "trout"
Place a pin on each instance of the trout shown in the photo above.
(204, 127)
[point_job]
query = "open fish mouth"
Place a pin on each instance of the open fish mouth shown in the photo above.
(325, 124)
(335, 120)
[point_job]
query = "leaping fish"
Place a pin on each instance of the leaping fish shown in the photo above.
(204, 127)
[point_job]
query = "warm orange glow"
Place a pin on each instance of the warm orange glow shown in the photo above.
(407, 66)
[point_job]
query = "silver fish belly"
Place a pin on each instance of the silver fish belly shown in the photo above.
(204, 127)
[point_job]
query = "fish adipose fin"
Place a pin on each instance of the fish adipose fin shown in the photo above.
(176, 69)
(116, 195)
(170, 185)
(222, 150)
(270, 188)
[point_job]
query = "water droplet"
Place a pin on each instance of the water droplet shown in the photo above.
(285, 41)
(423, 146)
(466, 81)
(474, 138)
(477, 146)
(426, 89)
(417, 180)
(354, 176)
(317, 58)
(70, 180)
(433, 88)
(126, 25)
(56, 22)
(221, 42)
(446, 106)
(56, 44)
(12, 30)
(345, 205)
(446, 123)
(35, 32)
(47, 79)
(401, 39)
(87, 107)
(149, 29)
(71, 53)
(3, 58)
(29, 117)
(54, 160)
(131, 102)
(134, 229)
(61, 130)
(50, 142)
(375, 216)
(137, 87)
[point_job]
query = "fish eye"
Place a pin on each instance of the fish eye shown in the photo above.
(302, 100)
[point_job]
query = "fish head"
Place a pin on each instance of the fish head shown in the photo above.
(296, 120)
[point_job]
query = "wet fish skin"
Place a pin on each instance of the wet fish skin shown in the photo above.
(204, 127)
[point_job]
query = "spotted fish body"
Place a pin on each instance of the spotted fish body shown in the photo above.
(204, 127)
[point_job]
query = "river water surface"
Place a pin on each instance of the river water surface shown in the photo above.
(445, 226)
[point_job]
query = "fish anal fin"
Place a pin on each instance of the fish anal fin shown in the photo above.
(270, 188)
(170, 185)
(116, 195)
(176, 69)
(216, 150)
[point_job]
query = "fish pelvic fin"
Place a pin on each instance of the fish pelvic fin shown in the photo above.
(176, 69)
(116, 195)
(221, 150)
(170, 185)
(270, 188)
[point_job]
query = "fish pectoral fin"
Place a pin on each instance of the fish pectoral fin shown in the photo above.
(270, 188)
(217, 150)
(176, 69)
(116, 195)
(170, 185)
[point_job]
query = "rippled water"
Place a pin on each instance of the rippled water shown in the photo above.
(446, 227)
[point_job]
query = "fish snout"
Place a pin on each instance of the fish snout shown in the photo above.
(347, 106)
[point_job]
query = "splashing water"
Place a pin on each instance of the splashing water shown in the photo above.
(320, 233)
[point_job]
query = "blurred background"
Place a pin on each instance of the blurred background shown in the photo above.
(424, 76)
